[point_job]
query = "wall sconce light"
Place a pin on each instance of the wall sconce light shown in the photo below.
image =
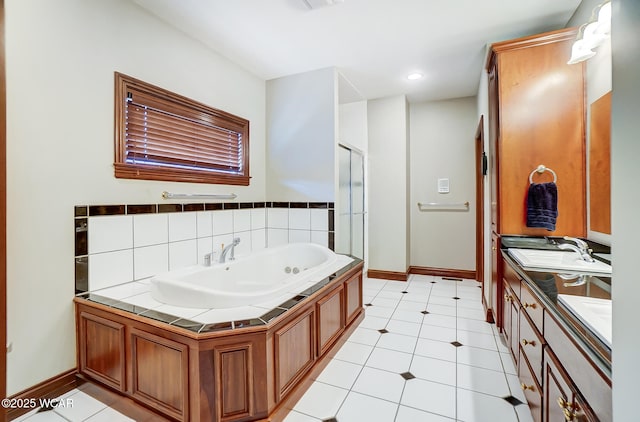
(592, 34)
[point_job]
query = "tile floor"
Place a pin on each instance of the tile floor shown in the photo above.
(422, 353)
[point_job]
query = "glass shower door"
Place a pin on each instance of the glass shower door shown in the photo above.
(351, 205)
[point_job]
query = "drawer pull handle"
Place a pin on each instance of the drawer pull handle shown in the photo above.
(569, 416)
(529, 305)
(526, 387)
(562, 403)
(528, 342)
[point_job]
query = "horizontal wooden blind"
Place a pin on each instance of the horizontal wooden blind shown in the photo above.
(164, 133)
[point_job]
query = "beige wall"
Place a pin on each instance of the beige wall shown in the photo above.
(60, 61)
(388, 183)
(625, 196)
(302, 111)
(442, 146)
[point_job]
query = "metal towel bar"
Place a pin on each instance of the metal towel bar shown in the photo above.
(453, 206)
(168, 195)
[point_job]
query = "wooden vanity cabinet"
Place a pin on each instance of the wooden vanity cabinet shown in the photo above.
(562, 402)
(559, 380)
(511, 310)
(536, 116)
(495, 311)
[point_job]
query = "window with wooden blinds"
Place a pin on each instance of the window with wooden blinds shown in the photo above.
(164, 136)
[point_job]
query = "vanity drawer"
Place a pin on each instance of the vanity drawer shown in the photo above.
(593, 384)
(512, 278)
(531, 346)
(532, 307)
(531, 388)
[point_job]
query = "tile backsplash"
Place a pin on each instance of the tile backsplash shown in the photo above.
(115, 244)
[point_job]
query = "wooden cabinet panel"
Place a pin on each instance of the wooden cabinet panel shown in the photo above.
(234, 370)
(353, 297)
(558, 394)
(294, 351)
(506, 314)
(160, 373)
(513, 279)
(540, 104)
(586, 376)
(531, 345)
(330, 319)
(496, 288)
(530, 387)
(256, 372)
(515, 331)
(102, 350)
(532, 307)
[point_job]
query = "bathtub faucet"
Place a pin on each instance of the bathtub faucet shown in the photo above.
(231, 247)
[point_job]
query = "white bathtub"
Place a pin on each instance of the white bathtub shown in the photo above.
(248, 280)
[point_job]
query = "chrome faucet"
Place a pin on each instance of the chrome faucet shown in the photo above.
(231, 247)
(581, 247)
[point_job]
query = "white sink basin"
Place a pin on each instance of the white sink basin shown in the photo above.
(557, 260)
(594, 313)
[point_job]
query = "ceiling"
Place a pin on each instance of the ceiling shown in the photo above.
(374, 44)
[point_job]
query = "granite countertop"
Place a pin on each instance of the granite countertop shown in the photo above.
(547, 285)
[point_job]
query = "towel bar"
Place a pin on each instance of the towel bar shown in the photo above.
(441, 206)
(168, 195)
(541, 169)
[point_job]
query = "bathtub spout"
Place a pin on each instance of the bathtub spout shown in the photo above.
(229, 249)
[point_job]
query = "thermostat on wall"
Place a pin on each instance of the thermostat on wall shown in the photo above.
(443, 185)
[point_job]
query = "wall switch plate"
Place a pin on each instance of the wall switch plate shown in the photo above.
(443, 185)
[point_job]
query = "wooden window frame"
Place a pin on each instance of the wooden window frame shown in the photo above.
(199, 113)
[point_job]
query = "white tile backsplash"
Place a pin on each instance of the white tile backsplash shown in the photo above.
(110, 268)
(276, 237)
(204, 224)
(222, 222)
(319, 219)
(205, 246)
(244, 247)
(320, 237)
(299, 236)
(183, 254)
(258, 239)
(182, 226)
(151, 260)
(150, 229)
(241, 220)
(111, 233)
(300, 219)
(277, 218)
(258, 218)
(123, 248)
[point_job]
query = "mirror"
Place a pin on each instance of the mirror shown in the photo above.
(600, 165)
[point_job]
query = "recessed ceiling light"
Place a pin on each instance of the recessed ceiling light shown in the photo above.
(414, 76)
(315, 4)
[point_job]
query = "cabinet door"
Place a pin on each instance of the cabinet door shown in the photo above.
(494, 129)
(515, 330)
(557, 394)
(496, 282)
(506, 314)
(561, 401)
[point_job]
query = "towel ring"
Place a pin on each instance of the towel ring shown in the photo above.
(542, 169)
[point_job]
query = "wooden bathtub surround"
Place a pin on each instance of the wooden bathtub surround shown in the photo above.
(245, 374)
